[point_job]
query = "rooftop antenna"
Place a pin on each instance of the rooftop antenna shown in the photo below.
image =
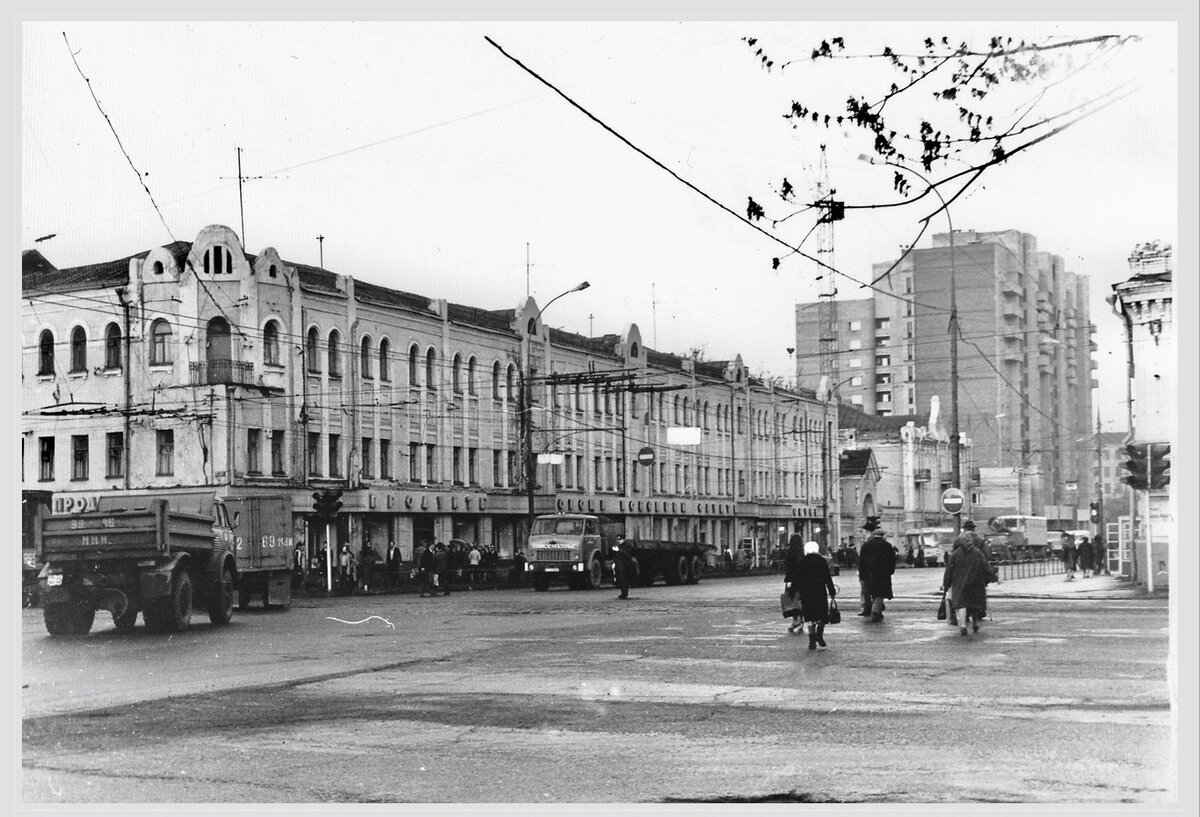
(591, 332)
(653, 315)
(321, 245)
(526, 269)
(241, 200)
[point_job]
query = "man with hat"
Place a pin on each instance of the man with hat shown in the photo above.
(966, 579)
(876, 564)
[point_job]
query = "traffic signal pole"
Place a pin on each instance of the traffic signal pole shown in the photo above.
(329, 527)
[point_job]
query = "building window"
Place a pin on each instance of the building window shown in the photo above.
(385, 364)
(473, 466)
(496, 469)
(253, 450)
(414, 462)
(116, 454)
(882, 342)
(160, 343)
(883, 378)
(854, 363)
(335, 455)
(46, 352)
(112, 347)
(598, 473)
(312, 351)
(79, 456)
(471, 376)
(314, 453)
(456, 464)
(368, 458)
(277, 453)
(165, 441)
(496, 380)
(158, 268)
(431, 474)
(511, 467)
(218, 261)
(908, 286)
(856, 381)
(385, 459)
(510, 389)
(430, 373)
(414, 355)
(271, 344)
(855, 326)
(335, 357)
(46, 449)
(883, 324)
(883, 360)
(854, 344)
(741, 421)
(364, 361)
(456, 374)
(883, 397)
(856, 399)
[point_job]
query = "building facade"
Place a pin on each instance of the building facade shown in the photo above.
(1024, 355)
(199, 365)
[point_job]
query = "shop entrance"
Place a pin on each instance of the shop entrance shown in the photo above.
(422, 530)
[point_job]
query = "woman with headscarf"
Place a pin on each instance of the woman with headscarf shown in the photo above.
(967, 576)
(814, 584)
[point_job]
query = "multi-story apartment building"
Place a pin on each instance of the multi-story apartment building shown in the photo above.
(1107, 472)
(1024, 354)
(197, 364)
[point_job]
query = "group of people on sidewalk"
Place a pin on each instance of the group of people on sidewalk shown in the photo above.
(1085, 555)
(809, 582)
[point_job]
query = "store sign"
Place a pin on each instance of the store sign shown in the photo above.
(423, 502)
(72, 504)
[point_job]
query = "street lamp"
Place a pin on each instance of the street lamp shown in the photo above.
(955, 460)
(526, 410)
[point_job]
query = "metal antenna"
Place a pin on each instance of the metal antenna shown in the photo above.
(241, 200)
(321, 244)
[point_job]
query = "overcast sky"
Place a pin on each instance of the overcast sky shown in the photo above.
(429, 161)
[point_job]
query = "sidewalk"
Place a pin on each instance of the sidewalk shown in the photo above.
(1055, 586)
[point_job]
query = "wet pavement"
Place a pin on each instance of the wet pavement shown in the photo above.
(678, 694)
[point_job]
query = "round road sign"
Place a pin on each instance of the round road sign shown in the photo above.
(646, 456)
(952, 500)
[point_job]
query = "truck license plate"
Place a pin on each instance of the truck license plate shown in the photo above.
(54, 580)
(550, 569)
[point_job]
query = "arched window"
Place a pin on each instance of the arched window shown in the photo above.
(271, 355)
(414, 366)
(218, 346)
(385, 363)
(687, 412)
(704, 416)
(471, 375)
(675, 410)
(312, 350)
(510, 387)
(218, 260)
(456, 374)
(160, 343)
(496, 380)
(46, 352)
(741, 421)
(78, 349)
(335, 357)
(364, 357)
(112, 347)
(431, 379)
(158, 268)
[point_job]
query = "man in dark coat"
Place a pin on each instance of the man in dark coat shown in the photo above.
(427, 566)
(791, 575)
(441, 568)
(622, 565)
(1085, 556)
(876, 564)
(967, 576)
(393, 565)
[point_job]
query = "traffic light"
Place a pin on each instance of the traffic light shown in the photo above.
(1160, 466)
(1135, 466)
(326, 504)
(1094, 508)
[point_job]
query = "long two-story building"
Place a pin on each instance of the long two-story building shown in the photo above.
(199, 365)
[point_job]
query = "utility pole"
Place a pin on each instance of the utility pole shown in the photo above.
(653, 315)
(526, 269)
(241, 202)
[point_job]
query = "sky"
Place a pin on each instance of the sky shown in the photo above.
(434, 164)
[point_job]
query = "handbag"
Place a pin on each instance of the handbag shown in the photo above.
(835, 615)
(791, 606)
(941, 614)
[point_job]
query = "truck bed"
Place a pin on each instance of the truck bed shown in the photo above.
(134, 532)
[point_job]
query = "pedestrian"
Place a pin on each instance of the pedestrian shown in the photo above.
(1085, 556)
(344, 567)
(474, 560)
(298, 568)
(1100, 554)
(966, 578)
(427, 565)
(791, 576)
(367, 567)
(441, 572)
(814, 584)
(393, 565)
(622, 565)
(1069, 555)
(518, 573)
(920, 555)
(876, 564)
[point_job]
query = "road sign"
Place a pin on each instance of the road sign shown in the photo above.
(646, 456)
(952, 500)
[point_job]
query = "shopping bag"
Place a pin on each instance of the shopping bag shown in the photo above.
(835, 615)
(791, 606)
(941, 614)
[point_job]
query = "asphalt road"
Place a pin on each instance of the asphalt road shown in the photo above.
(678, 694)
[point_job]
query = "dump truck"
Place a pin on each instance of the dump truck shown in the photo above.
(578, 549)
(160, 557)
(1017, 537)
(30, 502)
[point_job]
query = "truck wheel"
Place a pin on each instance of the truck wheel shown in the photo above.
(68, 618)
(677, 573)
(595, 576)
(220, 602)
(540, 583)
(695, 568)
(175, 610)
(127, 620)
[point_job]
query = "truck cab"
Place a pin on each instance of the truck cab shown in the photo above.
(570, 547)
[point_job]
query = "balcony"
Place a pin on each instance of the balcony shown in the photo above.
(921, 475)
(222, 373)
(1010, 283)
